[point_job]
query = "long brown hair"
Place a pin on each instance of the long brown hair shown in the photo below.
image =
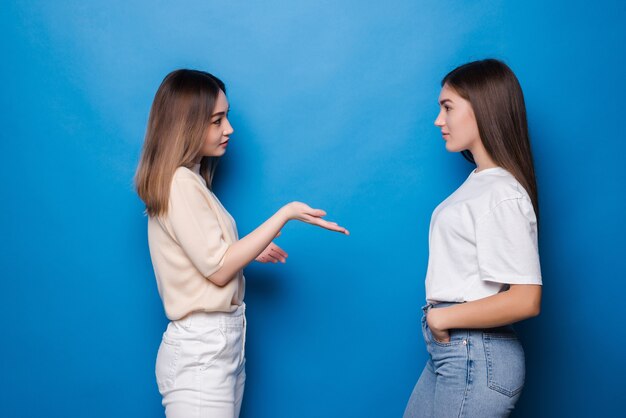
(179, 118)
(498, 103)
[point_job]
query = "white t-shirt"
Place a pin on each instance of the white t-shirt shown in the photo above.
(482, 238)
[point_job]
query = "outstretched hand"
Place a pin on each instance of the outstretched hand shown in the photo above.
(305, 213)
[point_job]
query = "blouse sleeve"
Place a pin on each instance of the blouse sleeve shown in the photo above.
(195, 225)
(506, 243)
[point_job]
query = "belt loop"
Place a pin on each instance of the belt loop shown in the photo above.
(187, 321)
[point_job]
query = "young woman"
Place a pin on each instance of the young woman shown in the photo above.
(483, 268)
(196, 254)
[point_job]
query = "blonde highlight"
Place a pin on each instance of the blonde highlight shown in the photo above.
(178, 120)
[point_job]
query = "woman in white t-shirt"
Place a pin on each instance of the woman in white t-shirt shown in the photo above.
(196, 253)
(483, 267)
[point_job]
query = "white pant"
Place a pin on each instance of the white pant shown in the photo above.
(200, 367)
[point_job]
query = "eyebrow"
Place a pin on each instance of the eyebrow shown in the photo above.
(444, 101)
(221, 113)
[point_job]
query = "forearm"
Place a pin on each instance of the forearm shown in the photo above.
(241, 253)
(244, 251)
(518, 303)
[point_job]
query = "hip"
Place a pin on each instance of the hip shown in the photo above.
(498, 352)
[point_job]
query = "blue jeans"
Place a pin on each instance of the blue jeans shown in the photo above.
(479, 373)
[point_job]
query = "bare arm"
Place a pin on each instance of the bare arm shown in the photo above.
(244, 251)
(520, 302)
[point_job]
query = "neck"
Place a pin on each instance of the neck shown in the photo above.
(481, 158)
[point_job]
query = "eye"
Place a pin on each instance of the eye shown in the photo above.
(217, 121)
(446, 107)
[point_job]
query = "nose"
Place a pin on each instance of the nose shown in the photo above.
(440, 120)
(228, 128)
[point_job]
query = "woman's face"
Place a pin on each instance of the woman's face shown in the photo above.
(457, 121)
(217, 135)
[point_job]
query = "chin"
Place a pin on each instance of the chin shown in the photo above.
(451, 148)
(456, 147)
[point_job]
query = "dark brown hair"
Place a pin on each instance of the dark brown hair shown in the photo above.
(179, 118)
(498, 103)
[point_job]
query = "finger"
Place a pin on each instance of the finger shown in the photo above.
(318, 213)
(281, 256)
(325, 224)
(272, 258)
(316, 220)
(332, 226)
(336, 228)
(280, 251)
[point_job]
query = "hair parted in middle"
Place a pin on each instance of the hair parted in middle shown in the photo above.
(179, 118)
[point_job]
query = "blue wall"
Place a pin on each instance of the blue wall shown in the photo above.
(333, 103)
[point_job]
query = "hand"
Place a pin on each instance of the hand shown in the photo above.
(303, 212)
(432, 319)
(272, 254)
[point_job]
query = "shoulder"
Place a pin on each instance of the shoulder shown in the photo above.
(506, 186)
(510, 207)
(503, 193)
(184, 177)
(183, 173)
(503, 187)
(185, 181)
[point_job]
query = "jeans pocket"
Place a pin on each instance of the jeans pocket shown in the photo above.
(430, 338)
(214, 342)
(166, 362)
(424, 330)
(505, 362)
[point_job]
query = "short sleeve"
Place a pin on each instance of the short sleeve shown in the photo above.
(195, 225)
(506, 243)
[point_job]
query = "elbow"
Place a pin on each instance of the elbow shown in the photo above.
(222, 277)
(219, 283)
(535, 310)
(528, 300)
(218, 280)
(534, 307)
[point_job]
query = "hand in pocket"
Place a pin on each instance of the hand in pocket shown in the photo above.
(440, 335)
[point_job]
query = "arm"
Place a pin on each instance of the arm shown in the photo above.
(507, 252)
(520, 302)
(244, 251)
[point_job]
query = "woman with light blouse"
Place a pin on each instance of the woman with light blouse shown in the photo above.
(195, 249)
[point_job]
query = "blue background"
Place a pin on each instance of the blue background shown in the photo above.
(333, 103)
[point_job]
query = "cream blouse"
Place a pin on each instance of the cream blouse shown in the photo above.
(188, 244)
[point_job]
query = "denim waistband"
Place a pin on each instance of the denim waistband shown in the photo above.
(426, 307)
(216, 319)
(507, 329)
